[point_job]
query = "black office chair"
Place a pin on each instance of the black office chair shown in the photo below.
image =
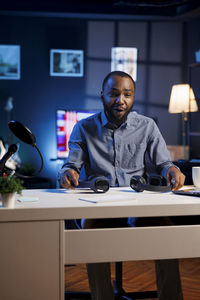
(118, 282)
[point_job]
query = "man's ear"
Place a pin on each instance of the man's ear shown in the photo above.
(102, 96)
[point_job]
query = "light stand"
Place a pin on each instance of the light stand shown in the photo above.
(184, 132)
(26, 136)
(182, 101)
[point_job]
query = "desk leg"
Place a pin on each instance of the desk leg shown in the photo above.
(31, 260)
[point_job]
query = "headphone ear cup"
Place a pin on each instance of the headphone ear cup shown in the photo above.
(137, 183)
(164, 181)
(154, 183)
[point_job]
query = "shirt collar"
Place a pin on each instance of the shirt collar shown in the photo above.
(104, 119)
(106, 123)
(131, 120)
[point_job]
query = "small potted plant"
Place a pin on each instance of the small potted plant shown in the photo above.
(9, 185)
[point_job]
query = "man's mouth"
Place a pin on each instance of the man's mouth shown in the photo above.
(118, 112)
(118, 109)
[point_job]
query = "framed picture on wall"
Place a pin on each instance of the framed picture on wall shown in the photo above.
(124, 59)
(9, 62)
(66, 63)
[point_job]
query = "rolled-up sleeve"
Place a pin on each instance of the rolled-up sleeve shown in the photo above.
(157, 150)
(77, 150)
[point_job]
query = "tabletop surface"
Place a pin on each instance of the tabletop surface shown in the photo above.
(61, 204)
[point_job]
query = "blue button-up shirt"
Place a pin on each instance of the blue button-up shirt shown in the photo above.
(117, 153)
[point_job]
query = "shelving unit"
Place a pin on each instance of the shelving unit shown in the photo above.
(191, 133)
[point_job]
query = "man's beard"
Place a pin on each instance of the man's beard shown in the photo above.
(111, 118)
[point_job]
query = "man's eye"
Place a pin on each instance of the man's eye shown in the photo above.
(113, 95)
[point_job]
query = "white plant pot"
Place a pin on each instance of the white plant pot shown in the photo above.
(8, 200)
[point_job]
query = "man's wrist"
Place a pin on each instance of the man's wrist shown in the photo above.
(166, 169)
(63, 170)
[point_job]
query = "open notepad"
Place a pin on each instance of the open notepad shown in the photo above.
(107, 198)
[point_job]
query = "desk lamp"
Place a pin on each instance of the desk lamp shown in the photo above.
(26, 136)
(182, 101)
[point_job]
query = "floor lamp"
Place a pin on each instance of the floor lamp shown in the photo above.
(182, 101)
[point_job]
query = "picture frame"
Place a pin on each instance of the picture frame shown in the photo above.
(124, 59)
(10, 62)
(66, 63)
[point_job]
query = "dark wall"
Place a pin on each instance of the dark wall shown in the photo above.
(163, 52)
(160, 64)
(37, 95)
(193, 34)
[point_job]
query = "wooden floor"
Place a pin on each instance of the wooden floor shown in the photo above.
(140, 276)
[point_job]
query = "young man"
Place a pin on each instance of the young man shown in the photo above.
(114, 143)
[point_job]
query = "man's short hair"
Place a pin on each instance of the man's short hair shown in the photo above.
(116, 73)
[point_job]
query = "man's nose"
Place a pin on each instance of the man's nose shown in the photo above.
(120, 99)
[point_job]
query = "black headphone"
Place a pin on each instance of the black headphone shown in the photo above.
(153, 183)
(99, 184)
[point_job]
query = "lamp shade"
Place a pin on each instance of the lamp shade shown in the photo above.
(182, 99)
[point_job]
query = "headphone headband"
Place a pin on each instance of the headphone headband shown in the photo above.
(155, 183)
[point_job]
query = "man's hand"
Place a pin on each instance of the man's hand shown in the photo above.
(175, 177)
(69, 179)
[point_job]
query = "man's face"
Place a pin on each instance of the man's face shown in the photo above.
(118, 98)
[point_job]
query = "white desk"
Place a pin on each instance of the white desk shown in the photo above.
(34, 247)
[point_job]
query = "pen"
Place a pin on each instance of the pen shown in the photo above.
(87, 200)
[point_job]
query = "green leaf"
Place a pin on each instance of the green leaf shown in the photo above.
(10, 184)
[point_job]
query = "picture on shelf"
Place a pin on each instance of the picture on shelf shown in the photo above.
(124, 59)
(9, 62)
(66, 63)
